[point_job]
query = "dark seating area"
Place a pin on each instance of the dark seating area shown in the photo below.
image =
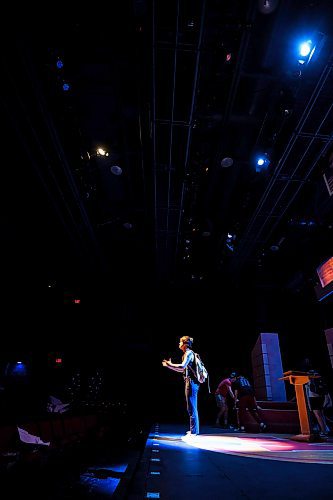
(84, 450)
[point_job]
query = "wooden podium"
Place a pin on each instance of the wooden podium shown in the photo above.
(298, 379)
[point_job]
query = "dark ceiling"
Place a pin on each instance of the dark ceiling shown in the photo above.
(170, 90)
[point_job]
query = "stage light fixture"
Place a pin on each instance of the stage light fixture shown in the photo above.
(227, 162)
(306, 51)
(262, 162)
(116, 170)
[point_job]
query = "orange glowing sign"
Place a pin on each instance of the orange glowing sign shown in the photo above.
(325, 272)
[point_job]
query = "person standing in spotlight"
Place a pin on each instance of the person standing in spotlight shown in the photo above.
(187, 367)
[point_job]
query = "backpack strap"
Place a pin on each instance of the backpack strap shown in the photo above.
(190, 367)
(196, 374)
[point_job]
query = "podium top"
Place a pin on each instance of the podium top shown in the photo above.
(296, 373)
(298, 377)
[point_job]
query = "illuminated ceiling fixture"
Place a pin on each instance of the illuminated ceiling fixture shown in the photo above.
(276, 247)
(267, 6)
(116, 170)
(230, 239)
(101, 152)
(227, 162)
(306, 48)
(306, 51)
(262, 162)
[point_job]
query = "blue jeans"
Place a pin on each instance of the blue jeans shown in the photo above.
(191, 396)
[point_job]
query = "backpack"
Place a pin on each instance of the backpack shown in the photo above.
(200, 370)
(318, 386)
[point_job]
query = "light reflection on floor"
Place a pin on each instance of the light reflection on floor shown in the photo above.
(267, 447)
(102, 479)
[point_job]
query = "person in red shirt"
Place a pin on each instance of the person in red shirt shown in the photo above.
(222, 392)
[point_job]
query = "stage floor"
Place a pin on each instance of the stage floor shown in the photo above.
(223, 464)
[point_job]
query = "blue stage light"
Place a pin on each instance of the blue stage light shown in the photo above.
(262, 162)
(305, 51)
(19, 369)
(305, 48)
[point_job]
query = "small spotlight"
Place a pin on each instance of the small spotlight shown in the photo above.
(262, 162)
(305, 48)
(66, 87)
(60, 64)
(306, 51)
(116, 170)
(227, 162)
(101, 152)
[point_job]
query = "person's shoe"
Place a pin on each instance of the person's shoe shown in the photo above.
(188, 436)
(262, 427)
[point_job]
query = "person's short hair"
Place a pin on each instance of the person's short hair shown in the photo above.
(233, 375)
(187, 340)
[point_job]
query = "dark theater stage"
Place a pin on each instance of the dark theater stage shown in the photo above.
(167, 172)
(224, 465)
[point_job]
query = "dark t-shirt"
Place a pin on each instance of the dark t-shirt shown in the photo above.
(243, 386)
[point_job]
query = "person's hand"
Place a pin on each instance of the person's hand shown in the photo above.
(165, 362)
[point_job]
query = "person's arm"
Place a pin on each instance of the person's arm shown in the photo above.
(178, 367)
(229, 388)
(231, 392)
(167, 363)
